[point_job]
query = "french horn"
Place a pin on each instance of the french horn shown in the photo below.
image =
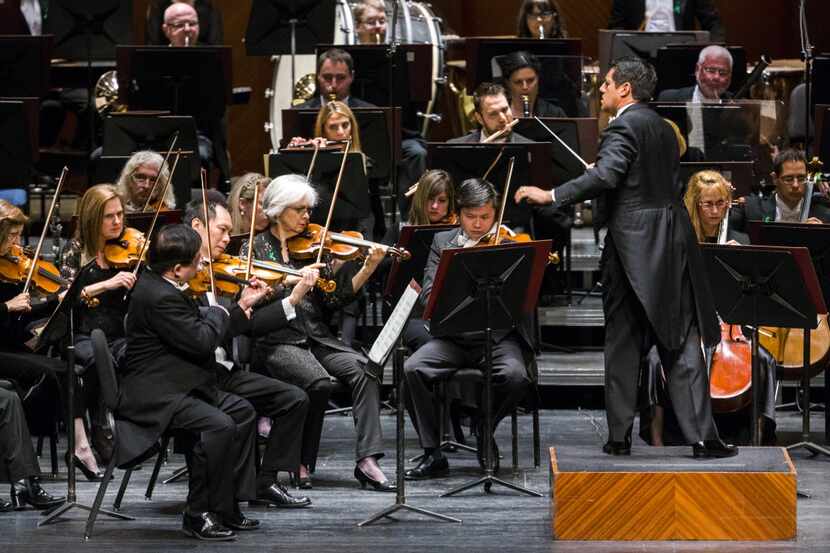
(106, 94)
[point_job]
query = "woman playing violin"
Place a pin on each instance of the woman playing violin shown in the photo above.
(240, 203)
(102, 288)
(306, 353)
(138, 180)
(434, 201)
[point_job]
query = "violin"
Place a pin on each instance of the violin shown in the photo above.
(15, 267)
(730, 377)
(505, 234)
(229, 272)
(344, 245)
(127, 250)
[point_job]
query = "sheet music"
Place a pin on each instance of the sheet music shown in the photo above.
(391, 331)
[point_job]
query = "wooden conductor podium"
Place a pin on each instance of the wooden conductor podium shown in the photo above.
(665, 494)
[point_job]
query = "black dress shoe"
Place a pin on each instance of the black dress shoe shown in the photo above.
(6, 506)
(276, 495)
(28, 492)
(714, 448)
(301, 482)
(239, 521)
(206, 526)
(429, 467)
(617, 448)
(364, 479)
(72, 459)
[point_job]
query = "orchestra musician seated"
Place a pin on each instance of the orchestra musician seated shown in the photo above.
(440, 358)
(713, 75)
(786, 204)
(306, 353)
(540, 19)
(204, 28)
(284, 404)
(169, 384)
(240, 203)
(370, 21)
(521, 71)
(667, 16)
(139, 179)
(494, 115)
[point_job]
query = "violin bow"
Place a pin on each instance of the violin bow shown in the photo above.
(493, 165)
(325, 231)
(313, 161)
(161, 169)
(250, 260)
(35, 257)
(510, 165)
(206, 215)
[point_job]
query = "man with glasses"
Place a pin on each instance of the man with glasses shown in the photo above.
(713, 74)
(137, 182)
(181, 24)
(786, 204)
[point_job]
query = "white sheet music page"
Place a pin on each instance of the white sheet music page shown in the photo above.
(391, 331)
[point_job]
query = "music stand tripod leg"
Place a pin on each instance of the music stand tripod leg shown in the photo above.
(805, 442)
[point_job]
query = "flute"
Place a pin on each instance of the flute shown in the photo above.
(498, 134)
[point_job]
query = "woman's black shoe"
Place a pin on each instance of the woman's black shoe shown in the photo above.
(28, 492)
(364, 479)
(88, 474)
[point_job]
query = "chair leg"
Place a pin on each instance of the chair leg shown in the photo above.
(122, 489)
(53, 451)
(151, 485)
(99, 498)
(514, 431)
(536, 439)
(39, 450)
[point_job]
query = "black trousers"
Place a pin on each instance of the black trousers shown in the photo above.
(221, 463)
(285, 404)
(628, 338)
(17, 457)
(440, 358)
(88, 394)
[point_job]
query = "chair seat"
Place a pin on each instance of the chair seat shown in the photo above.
(15, 196)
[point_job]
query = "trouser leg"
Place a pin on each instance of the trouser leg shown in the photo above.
(16, 452)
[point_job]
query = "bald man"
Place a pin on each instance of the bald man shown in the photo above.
(181, 24)
(713, 74)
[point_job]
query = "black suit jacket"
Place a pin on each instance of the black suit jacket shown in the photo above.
(758, 208)
(171, 345)
(630, 14)
(474, 137)
(683, 94)
(636, 175)
(316, 103)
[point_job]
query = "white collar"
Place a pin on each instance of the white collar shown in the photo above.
(176, 285)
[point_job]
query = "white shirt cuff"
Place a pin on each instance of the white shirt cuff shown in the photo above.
(553, 195)
(290, 312)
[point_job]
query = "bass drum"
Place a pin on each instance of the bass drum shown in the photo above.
(417, 24)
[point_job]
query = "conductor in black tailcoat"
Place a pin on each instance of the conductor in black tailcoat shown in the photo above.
(655, 288)
(169, 383)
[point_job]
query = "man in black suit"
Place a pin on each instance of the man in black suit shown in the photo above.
(666, 15)
(169, 383)
(286, 405)
(713, 74)
(440, 358)
(493, 114)
(656, 290)
(786, 204)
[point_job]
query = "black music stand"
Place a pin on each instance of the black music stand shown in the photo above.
(60, 329)
(675, 66)
(815, 238)
(353, 198)
(468, 160)
(24, 65)
(496, 286)
(565, 165)
(769, 286)
(616, 43)
(400, 435)
(16, 147)
(308, 22)
(740, 173)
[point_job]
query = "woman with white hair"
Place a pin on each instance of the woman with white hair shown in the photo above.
(137, 179)
(305, 352)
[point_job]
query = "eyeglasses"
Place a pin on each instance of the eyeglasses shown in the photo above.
(305, 210)
(717, 71)
(141, 177)
(178, 25)
(711, 206)
(791, 179)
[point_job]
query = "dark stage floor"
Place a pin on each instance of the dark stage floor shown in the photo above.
(503, 521)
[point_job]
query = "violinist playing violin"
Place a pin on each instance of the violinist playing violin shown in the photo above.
(101, 304)
(139, 179)
(306, 353)
(440, 358)
(285, 404)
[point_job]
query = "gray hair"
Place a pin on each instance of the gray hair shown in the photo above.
(145, 157)
(284, 191)
(714, 51)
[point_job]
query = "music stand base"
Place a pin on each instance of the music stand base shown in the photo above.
(392, 509)
(180, 473)
(55, 513)
(487, 481)
(815, 449)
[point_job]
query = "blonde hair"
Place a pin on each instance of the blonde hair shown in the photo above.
(243, 189)
(145, 157)
(697, 183)
(10, 216)
(431, 183)
(341, 108)
(91, 218)
(360, 9)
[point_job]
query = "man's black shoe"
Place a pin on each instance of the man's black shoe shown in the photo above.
(617, 448)
(239, 521)
(276, 495)
(429, 467)
(714, 448)
(206, 526)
